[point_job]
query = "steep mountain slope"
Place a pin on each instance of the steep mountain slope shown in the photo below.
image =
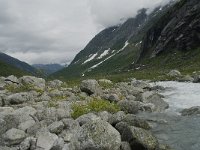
(6, 70)
(6, 59)
(48, 68)
(156, 41)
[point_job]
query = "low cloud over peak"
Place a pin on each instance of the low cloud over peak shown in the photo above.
(54, 31)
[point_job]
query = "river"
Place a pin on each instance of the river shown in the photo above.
(180, 132)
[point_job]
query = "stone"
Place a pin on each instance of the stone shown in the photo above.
(12, 79)
(19, 98)
(58, 144)
(174, 73)
(14, 136)
(56, 127)
(87, 118)
(37, 83)
(105, 116)
(27, 143)
(26, 125)
(46, 140)
(129, 106)
(140, 84)
(125, 146)
(55, 84)
(70, 124)
(130, 98)
(105, 81)
(99, 134)
(191, 111)
(138, 138)
(113, 98)
(196, 79)
(90, 87)
(186, 78)
(133, 120)
(116, 118)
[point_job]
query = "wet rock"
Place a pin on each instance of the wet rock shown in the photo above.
(191, 111)
(90, 87)
(14, 136)
(56, 127)
(196, 79)
(138, 138)
(99, 135)
(133, 120)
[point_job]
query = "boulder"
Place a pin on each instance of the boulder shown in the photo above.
(174, 73)
(191, 111)
(26, 125)
(113, 98)
(90, 87)
(12, 79)
(131, 107)
(14, 136)
(19, 98)
(105, 116)
(58, 144)
(46, 140)
(87, 118)
(138, 138)
(133, 120)
(140, 84)
(155, 99)
(33, 82)
(117, 117)
(98, 134)
(125, 146)
(186, 78)
(55, 84)
(56, 127)
(196, 79)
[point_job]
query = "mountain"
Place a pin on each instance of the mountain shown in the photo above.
(167, 38)
(6, 70)
(15, 64)
(48, 68)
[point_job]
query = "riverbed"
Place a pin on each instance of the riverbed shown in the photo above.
(181, 133)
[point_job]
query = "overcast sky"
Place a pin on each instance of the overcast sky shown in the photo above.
(54, 31)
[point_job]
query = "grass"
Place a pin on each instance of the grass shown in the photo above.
(95, 105)
(54, 101)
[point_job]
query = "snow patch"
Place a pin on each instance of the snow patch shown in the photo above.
(125, 45)
(101, 62)
(104, 53)
(91, 57)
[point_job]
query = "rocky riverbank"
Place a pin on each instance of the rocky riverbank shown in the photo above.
(101, 115)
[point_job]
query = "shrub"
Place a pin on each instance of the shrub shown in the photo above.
(95, 105)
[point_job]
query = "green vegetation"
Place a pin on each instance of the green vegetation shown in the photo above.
(106, 85)
(6, 70)
(22, 88)
(95, 105)
(54, 101)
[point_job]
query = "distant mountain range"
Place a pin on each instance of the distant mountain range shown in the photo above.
(48, 69)
(168, 38)
(13, 66)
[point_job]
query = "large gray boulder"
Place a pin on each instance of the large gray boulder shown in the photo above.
(155, 99)
(56, 127)
(46, 140)
(90, 87)
(87, 118)
(191, 111)
(14, 136)
(98, 135)
(55, 84)
(19, 98)
(131, 107)
(33, 82)
(138, 138)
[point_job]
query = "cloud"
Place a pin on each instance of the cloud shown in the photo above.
(46, 31)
